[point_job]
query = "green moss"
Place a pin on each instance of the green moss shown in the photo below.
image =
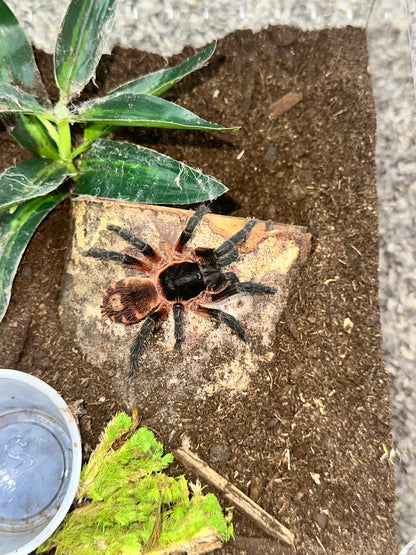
(131, 507)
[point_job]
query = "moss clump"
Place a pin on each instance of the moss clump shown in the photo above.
(129, 506)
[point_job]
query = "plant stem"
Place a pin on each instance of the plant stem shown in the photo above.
(62, 119)
(64, 144)
(82, 148)
(64, 134)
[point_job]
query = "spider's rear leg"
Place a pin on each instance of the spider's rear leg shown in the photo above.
(123, 258)
(150, 324)
(190, 227)
(225, 318)
(178, 316)
(148, 251)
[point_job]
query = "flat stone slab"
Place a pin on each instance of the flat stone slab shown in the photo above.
(212, 356)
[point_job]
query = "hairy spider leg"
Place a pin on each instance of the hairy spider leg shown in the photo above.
(224, 255)
(147, 251)
(224, 317)
(150, 324)
(190, 227)
(123, 258)
(228, 259)
(178, 317)
(243, 287)
(227, 247)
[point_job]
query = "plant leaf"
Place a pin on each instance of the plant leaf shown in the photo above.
(142, 111)
(30, 133)
(124, 171)
(16, 100)
(17, 62)
(155, 84)
(158, 82)
(29, 179)
(80, 43)
(16, 229)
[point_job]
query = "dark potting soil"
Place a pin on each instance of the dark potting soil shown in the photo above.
(307, 439)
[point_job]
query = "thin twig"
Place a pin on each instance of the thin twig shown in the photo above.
(264, 520)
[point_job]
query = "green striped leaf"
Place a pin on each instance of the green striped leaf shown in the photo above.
(142, 111)
(30, 133)
(16, 229)
(14, 100)
(80, 43)
(17, 62)
(124, 171)
(158, 82)
(155, 84)
(29, 179)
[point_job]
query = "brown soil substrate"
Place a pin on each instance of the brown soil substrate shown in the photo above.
(306, 441)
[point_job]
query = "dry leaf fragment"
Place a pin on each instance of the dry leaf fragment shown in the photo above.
(284, 104)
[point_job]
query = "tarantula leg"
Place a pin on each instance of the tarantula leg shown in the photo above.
(148, 251)
(243, 287)
(208, 255)
(225, 318)
(237, 238)
(231, 277)
(148, 327)
(228, 259)
(190, 227)
(178, 316)
(115, 256)
(223, 281)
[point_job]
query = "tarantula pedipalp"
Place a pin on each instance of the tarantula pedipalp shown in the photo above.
(178, 282)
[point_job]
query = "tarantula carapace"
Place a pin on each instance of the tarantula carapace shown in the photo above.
(182, 281)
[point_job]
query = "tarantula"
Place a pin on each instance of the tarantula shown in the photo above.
(182, 280)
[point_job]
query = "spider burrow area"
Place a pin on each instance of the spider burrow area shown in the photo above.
(176, 282)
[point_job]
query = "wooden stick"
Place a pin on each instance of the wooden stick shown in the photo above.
(264, 520)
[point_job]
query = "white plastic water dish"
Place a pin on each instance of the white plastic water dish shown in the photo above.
(40, 461)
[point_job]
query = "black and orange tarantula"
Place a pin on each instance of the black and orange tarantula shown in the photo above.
(182, 281)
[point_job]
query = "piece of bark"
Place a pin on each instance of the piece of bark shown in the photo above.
(264, 520)
(284, 104)
(213, 358)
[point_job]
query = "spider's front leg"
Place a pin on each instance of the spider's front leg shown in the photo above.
(224, 255)
(227, 247)
(190, 227)
(243, 287)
